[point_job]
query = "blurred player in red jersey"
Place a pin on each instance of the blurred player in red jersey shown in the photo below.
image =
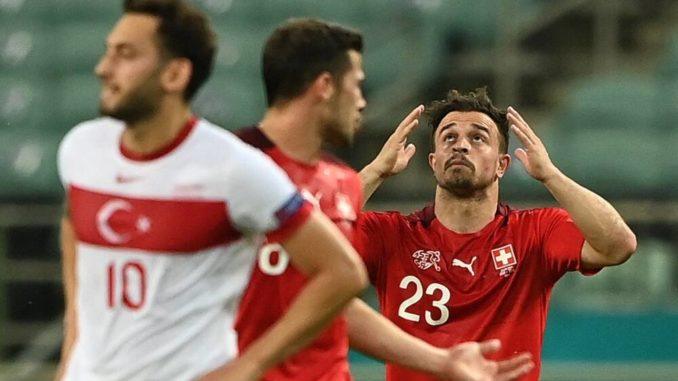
(166, 213)
(471, 268)
(313, 75)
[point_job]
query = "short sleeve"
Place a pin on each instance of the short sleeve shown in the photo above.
(370, 240)
(562, 241)
(65, 156)
(264, 200)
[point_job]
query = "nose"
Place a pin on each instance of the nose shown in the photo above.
(362, 103)
(461, 146)
(102, 69)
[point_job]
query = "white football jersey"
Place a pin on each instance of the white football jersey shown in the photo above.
(166, 244)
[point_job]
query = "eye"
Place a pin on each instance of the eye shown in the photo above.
(478, 138)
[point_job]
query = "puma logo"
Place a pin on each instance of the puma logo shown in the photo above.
(467, 266)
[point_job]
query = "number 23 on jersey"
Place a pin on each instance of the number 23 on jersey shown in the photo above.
(437, 313)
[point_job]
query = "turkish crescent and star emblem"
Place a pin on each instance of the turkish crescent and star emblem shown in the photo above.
(134, 223)
(504, 259)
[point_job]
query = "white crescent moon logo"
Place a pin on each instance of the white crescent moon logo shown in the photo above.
(105, 213)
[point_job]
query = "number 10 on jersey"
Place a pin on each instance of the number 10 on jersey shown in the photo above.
(126, 285)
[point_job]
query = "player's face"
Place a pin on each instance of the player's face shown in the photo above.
(130, 69)
(346, 105)
(467, 157)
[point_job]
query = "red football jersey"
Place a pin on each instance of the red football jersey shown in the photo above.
(335, 189)
(447, 288)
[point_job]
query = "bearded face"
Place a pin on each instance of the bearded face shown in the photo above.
(466, 159)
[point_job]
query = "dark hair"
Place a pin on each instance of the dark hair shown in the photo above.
(184, 32)
(301, 49)
(477, 100)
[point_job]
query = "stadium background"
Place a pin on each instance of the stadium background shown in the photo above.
(597, 79)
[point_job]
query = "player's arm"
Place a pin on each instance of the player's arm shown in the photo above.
(609, 240)
(68, 260)
(393, 157)
(335, 275)
(375, 335)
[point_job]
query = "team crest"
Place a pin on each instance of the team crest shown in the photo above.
(504, 259)
(426, 259)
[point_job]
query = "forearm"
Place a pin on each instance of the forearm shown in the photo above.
(318, 303)
(370, 180)
(68, 263)
(602, 226)
(373, 334)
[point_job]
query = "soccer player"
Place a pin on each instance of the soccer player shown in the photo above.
(469, 267)
(165, 213)
(313, 74)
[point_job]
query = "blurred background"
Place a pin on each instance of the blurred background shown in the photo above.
(596, 79)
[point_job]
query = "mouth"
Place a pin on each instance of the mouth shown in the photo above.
(459, 162)
(109, 90)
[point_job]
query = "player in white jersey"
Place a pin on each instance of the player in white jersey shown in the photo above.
(165, 213)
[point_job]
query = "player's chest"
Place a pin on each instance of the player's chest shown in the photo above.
(466, 266)
(177, 209)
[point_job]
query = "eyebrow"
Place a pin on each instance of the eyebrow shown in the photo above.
(476, 125)
(118, 45)
(481, 127)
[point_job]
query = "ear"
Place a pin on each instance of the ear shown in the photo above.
(432, 160)
(323, 87)
(504, 163)
(176, 75)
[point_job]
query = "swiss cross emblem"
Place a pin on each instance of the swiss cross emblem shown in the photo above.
(504, 260)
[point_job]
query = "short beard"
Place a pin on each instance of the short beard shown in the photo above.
(140, 104)
(465, 187)
(333, 135)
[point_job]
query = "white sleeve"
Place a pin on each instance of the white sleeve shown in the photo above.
(263, 197)
(65, 156)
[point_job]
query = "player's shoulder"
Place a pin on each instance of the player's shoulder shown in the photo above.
(93, 131)
(220, 141)
(420, 218)
(253, 136)
(535, 215)
(225, 146)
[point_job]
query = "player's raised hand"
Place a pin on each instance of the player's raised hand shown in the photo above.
(467, 362)
(396, 153)
(533, 154)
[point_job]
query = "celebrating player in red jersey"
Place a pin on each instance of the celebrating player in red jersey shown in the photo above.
(468, 267)
(313, 74)
(166, 213)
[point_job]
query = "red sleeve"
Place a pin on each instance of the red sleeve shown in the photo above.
(562, 242)
(370, 241)
(291, 217)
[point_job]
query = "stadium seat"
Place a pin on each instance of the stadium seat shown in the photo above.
(617, 101)
(667, 104)
(28, 165)
(25, 102)
(80, 46)
(668, 65)
(619, 163)
(77, 99)
(232, 101)
(240, 48)
(106, 11)
(26, 47)
(25, 10)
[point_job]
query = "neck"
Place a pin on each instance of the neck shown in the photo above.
(466, 214)
(294, 129)
(159, 130)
